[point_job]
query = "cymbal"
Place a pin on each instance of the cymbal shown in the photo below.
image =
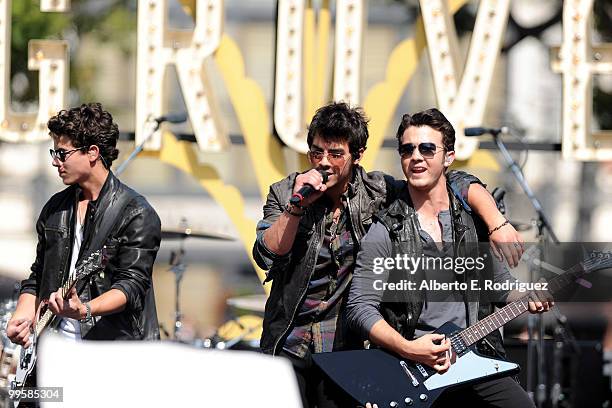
(188, 232)
(252, 303)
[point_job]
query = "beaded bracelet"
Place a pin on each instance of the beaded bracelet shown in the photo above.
(498, 227)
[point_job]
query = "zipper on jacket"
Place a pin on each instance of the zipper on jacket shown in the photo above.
(319, 244)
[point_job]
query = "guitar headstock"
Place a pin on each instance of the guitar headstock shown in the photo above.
(597, 260)
(95, 262)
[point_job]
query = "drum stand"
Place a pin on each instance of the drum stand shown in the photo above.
(178, 268)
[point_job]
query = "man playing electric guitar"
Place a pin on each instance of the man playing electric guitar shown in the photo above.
(95, 210)
(426, 223)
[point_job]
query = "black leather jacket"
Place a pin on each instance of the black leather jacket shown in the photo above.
(132, 246)
(290, 274)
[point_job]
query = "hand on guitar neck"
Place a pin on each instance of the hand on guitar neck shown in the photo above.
(540, 301)
(69, 306)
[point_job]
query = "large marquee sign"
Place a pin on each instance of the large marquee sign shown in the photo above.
(300, 86)
(301, 83)
(578, 60)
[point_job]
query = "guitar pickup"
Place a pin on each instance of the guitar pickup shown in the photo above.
(415, 382)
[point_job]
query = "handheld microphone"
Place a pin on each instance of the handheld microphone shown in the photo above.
(306, 190)
(172, 118)
(479, 131)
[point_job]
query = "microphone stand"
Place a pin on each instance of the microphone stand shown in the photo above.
(563, 336)
(178, 268)
(543, 225)
(543, 222)
(156, 123)
(138, 149)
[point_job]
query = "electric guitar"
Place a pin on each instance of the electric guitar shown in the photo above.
(94, 263)
(378, 376)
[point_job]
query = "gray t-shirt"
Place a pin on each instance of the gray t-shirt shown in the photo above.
(439, 306)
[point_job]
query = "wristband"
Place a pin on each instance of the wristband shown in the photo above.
(499, 226)
(289, 210)
(87, 315)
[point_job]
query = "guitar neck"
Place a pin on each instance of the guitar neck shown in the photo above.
(513, 310)
(42, 322)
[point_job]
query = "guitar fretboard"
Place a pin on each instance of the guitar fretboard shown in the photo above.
(513, 310)
(46, 318)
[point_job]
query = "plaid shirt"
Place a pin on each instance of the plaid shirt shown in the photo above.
(317, 327)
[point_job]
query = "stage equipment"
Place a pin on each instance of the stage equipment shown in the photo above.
(544, 226)
(251, 303)
(575, 377)
(242, 333)
(168, 234)
(151, 126)
(178, 267)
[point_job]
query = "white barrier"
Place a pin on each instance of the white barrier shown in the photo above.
(157, 374)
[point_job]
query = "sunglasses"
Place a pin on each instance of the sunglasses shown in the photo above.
(334, 158)
(61, 154)
(427, 149)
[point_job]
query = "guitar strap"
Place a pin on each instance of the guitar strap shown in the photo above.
(115, 207)
(111, 215)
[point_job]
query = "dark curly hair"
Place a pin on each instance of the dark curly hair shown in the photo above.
(338, 121)
(435, 120)
(88, 125)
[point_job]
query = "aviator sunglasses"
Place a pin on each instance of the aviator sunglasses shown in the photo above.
(62, 154)
(427, 149)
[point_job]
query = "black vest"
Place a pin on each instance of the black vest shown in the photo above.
(402, 309)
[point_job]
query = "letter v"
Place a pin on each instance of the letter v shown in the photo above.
(464, 105)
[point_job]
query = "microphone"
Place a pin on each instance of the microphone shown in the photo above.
(479, 131)
(306, 190)
(172, 118)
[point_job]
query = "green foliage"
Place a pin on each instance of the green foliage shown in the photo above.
(29, 23)
(111, 22)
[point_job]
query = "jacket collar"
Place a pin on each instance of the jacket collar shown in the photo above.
(356, 182)
(108, 186)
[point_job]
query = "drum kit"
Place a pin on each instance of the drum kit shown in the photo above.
(241, 333)
(9, 352)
